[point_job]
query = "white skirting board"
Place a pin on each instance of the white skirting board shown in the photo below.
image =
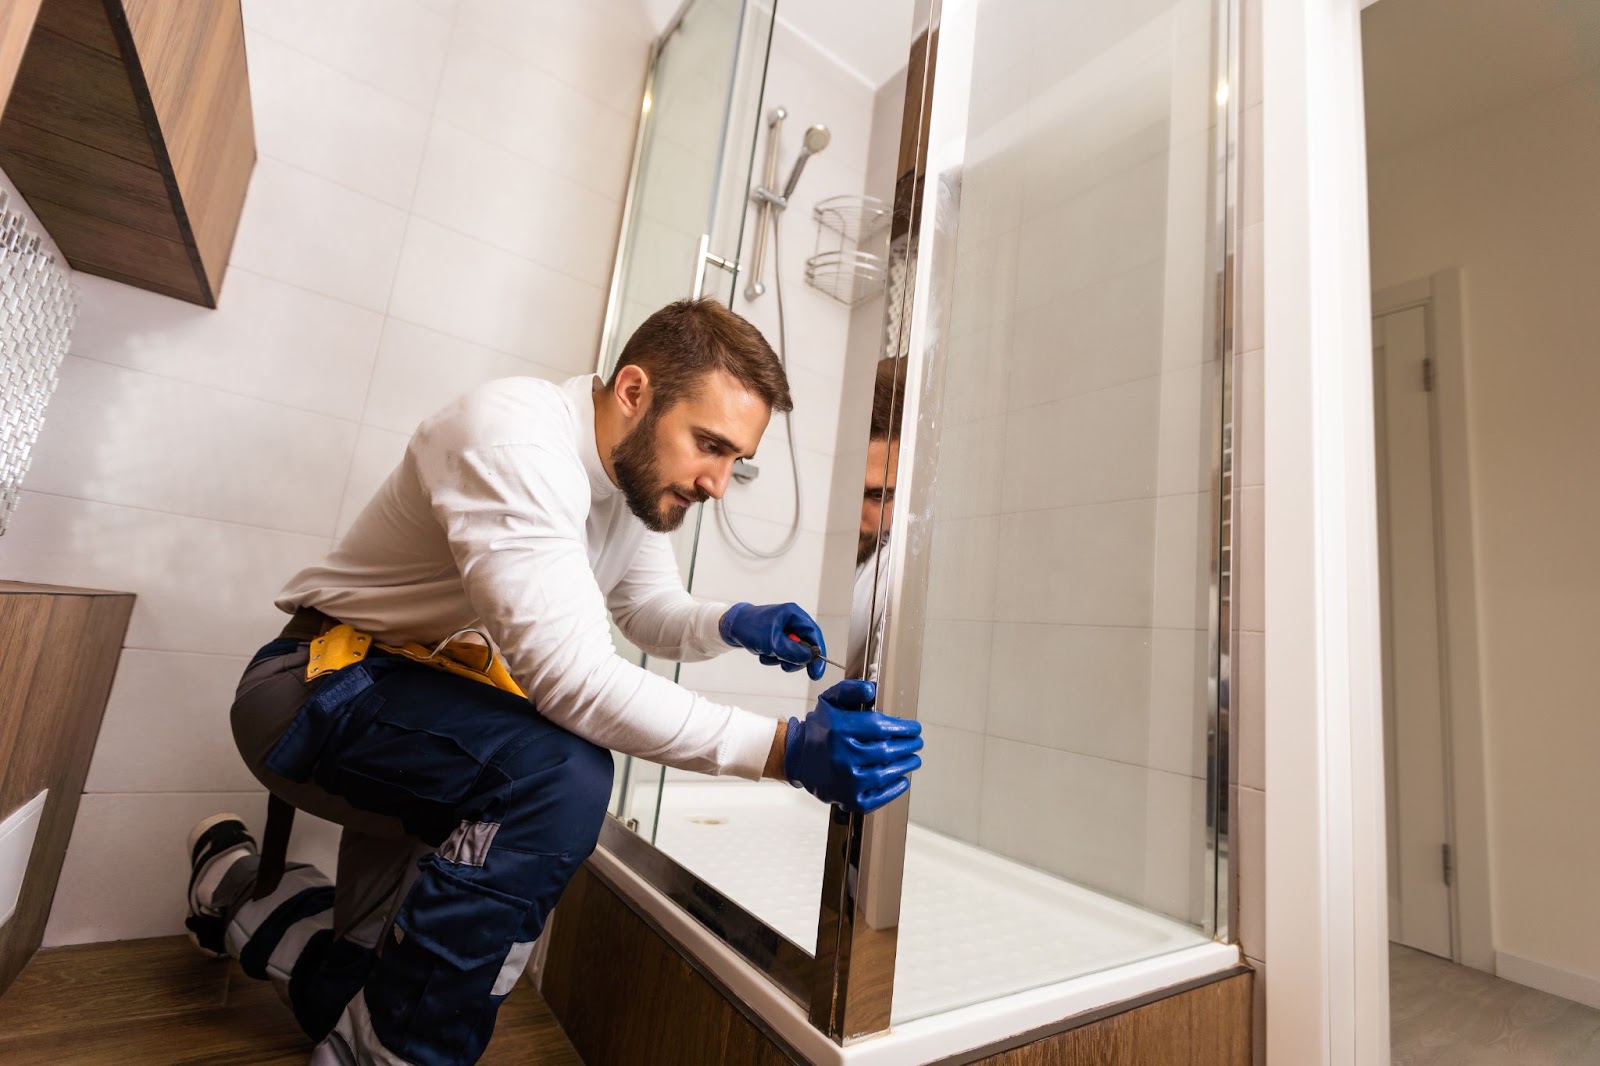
(17, 834)
(1563, 983)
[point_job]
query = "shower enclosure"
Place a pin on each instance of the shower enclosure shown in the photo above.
(1056, 577)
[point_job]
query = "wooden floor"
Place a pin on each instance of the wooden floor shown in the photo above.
(160, 1003)
(1442, 1014)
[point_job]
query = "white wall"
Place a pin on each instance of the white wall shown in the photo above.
(1063, 691)
(1510, 197)
(436, 204)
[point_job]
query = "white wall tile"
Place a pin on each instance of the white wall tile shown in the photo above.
(1186, 434)
(771, 495)
(125, 874)
(123, 436)
(484, 190)
(398, 47)
(1174, 842)
(463, 287)
(723, 573)
(1252, 289)
(1078, 817)
(266, 339)
(972, 469)
(563, 39)
(419, 371)
(946, 794)
(331, 124)
(1107, 334)
(1250, 175)
(740, 673)
(1182, 562)
(1250, 418)
(314, 233)
(201, 585)
(1180, 702)
(1090, 699)
(1086, 449)
(1249, 857)
(377, 453)
(516, 105)
(1250, 574)
(1086, 565)
(955, 683)
(166, 727)
(961, 568)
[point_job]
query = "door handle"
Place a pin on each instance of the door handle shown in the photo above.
(703, 258)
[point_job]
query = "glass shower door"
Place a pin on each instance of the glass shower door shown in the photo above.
(682, 227)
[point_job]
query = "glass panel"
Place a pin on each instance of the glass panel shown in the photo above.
(697, 134)
(1067, 380)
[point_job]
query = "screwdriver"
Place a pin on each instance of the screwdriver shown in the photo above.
(816, 652)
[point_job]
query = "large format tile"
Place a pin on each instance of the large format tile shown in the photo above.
(123, 436)
(771, 496)
(202, 585)
(1187, 456)
(420, 371)
(739, 673)
(946, 794)
(493, 194)
(265, 339)
(319, 235)
(1083, 689)
(339, 128)
(1182, 594)
(954, 687)
(396, 47)
(166, 726)
(1092, 448)
(377, 453)
(1181, 702)
(463, 287)
(961, 568)
(567, 41)
(1247, 704)
(126, 872)
(513, 103)
(1088, 565)
(1248, 856)
(722, 572)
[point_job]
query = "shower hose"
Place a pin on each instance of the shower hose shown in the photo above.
(725, 515)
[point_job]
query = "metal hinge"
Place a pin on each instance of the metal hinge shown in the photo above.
(1449, 864)
(1427, 375)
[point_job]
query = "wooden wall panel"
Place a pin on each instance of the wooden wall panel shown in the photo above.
(192, 56)
(626, 995)
(58, 653)
(130, 134)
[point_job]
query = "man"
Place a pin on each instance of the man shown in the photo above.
(870, 594)
(525, 511)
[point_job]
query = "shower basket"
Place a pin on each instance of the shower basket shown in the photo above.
(850, 255)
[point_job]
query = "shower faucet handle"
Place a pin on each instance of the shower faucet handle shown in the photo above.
(744, 471)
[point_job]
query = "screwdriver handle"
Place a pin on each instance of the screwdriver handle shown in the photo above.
(816, 652)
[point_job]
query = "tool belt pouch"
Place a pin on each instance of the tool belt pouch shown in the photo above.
(337, 663)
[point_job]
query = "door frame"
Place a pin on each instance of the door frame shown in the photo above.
(1440, 294)
(1325, 863)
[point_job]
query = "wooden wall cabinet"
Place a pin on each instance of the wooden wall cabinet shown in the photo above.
(58, 653)
(128, 131)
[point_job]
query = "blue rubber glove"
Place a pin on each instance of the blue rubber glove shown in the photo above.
(766, 630)
(847, 753)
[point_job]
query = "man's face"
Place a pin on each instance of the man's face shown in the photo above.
(682, 455)
(877, 497)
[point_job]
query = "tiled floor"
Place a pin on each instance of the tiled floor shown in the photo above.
(1448, 1015)
(161, 1003)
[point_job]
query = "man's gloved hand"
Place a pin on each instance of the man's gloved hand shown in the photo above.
(766, 630)
(847, 753)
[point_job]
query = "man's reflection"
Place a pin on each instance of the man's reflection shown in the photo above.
(877, 515)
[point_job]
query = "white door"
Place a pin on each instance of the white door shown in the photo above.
(1414, 694)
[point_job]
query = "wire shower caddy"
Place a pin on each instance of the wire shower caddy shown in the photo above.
(849, 262)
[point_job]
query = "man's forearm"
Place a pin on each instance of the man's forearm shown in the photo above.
(774, 767)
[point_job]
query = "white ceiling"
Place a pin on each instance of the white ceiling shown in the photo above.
(1435, 64)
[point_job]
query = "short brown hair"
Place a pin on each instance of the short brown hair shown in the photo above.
(684, 341)
(888, 399)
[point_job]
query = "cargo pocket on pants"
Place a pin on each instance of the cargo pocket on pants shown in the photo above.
(431, 991)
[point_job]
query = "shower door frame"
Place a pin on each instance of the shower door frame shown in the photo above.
(847, 987)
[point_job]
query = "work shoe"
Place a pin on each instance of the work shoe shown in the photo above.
(216, 845)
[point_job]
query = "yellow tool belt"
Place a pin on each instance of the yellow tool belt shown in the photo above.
(340, 645)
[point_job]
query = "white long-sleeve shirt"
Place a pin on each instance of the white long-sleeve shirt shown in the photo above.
(502, 516)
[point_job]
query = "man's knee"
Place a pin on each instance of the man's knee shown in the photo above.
(567, 779)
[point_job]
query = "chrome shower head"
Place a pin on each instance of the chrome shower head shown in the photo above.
(816, 139)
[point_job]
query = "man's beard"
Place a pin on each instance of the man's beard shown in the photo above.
(639, 476)
(867, 545)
